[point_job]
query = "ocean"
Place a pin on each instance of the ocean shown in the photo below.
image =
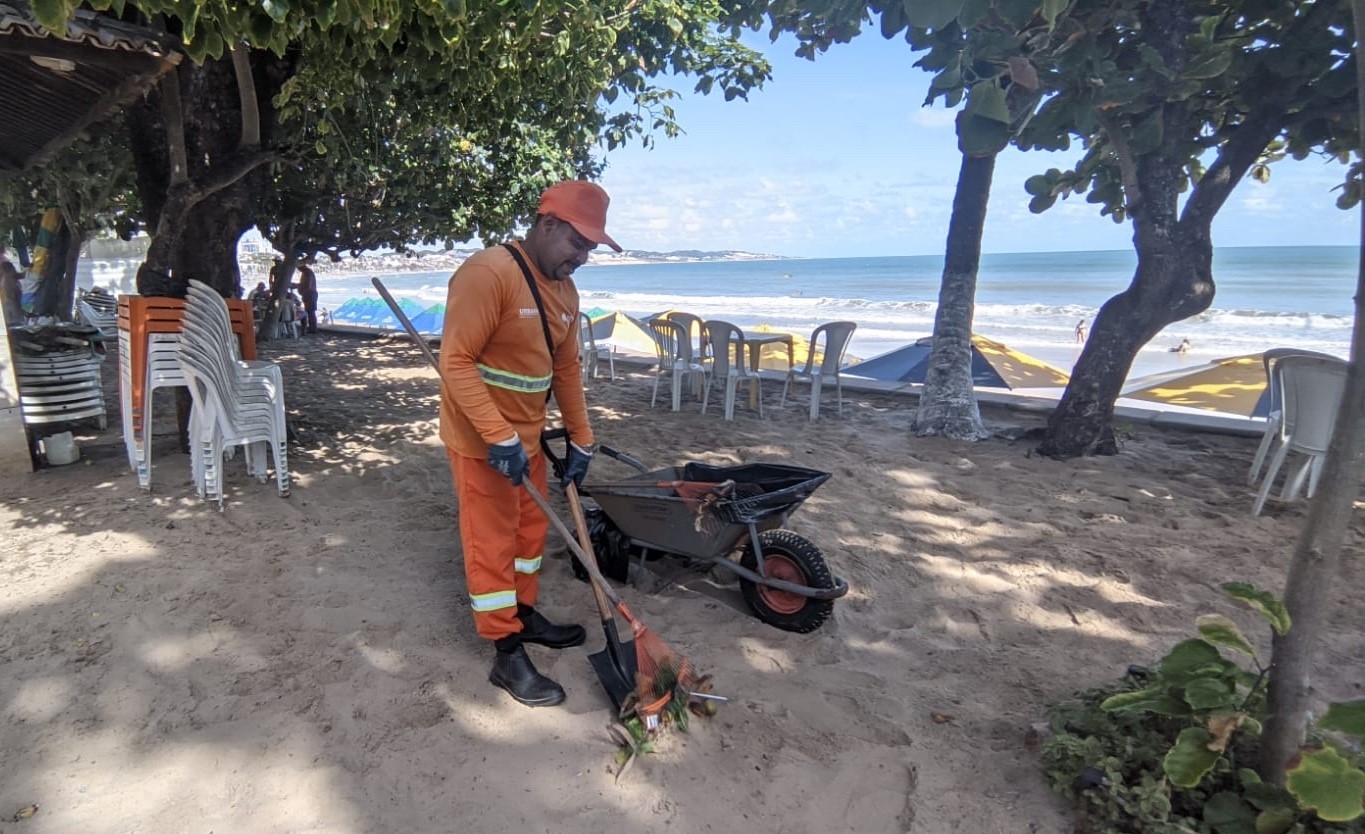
(1290, 296)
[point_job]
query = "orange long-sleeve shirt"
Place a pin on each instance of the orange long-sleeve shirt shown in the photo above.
(495, 362)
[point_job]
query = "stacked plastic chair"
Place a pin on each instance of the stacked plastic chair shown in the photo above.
(60, 387)
(148, 330)
(98, 310)
(235, 403)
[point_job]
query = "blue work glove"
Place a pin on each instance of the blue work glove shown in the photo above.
(509, 458)
(576, 465)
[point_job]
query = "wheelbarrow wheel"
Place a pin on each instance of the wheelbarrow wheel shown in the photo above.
(795, 559)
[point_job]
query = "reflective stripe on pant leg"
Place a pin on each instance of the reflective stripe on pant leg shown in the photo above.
(488, 536)
(531, 534)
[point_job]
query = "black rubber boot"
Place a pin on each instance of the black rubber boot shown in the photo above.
(514, 672)
(536, 629)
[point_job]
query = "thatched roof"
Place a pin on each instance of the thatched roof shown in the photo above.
(53, 88)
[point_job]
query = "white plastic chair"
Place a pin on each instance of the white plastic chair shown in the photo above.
(591, 354)
(162, 371)
(235, 403)
(673, 349)
(1312, 387)
(105, 321)
(60, 387)
(1275, 415)
(730, 362)
(831, 340)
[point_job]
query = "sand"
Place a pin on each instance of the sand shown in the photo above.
(309, 663)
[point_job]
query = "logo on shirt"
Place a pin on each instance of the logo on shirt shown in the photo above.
(565, 317)
(529, 313)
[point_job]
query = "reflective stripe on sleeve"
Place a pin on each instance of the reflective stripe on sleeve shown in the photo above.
(514, 382)
(528, 565)
(495, 601)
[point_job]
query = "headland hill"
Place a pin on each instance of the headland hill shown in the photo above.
(380, 263)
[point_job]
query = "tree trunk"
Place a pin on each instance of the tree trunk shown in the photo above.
(280, 277)
(1173, 281)
(198, 215)
(66, 290)
(48, 298)
(207, 250)
(1313, 570)
(948, 405)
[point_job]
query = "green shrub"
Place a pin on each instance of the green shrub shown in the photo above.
(1173, 749)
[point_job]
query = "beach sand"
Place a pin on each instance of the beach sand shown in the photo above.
(309, 664)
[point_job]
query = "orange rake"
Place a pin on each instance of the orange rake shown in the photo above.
(660, 673)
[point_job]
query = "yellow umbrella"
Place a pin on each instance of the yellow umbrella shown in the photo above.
(773, 356)
(1232, 385)
(623, 333)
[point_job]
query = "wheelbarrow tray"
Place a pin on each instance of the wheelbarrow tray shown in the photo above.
(656, 517)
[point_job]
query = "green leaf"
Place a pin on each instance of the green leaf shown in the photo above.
(1275, 821)
(277, 10)
(52, 14)
(1052, 9)
(1267, 604)
(1189, 658)
(1226, 813)
(1153, 699)
(1038, 205)
(1190, 759)
(1328, 784)
(981, 137)
(987, 100)
(1017, 12)
(1209, 693)
(1038, 185)
(1346, 717)
(1209, 65)
(1221, 631)
(932, 14)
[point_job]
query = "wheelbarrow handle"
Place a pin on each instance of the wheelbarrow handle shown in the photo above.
(627, 459)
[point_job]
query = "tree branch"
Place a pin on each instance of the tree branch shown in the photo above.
(173, 115)
(226, 174)
(1127, 165)
(1261, 125)
(246, 90)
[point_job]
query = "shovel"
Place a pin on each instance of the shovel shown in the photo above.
(616, 664)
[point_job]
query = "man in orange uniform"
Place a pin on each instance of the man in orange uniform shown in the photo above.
(510, 338)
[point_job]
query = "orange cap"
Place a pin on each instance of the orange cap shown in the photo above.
(581, 204)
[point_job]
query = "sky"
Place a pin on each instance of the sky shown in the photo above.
(837, 157)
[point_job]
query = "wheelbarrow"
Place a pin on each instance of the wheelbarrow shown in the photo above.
(727, 516)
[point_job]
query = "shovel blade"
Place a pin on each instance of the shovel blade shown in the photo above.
(615, 666)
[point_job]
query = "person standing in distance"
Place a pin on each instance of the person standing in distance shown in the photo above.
(510, 338)
(308, 291)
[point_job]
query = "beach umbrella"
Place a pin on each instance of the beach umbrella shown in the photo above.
(430, 320)
(373, 312)
(624, 334)
(1232, 385)
(773, 356)
(993, 366)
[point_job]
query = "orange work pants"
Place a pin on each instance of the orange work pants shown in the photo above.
(503, 535)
